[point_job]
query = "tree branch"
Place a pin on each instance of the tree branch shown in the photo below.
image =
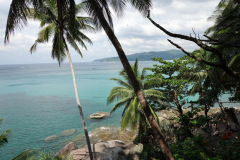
(222, 62)
(194, 57)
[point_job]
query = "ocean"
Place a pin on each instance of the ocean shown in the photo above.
(38, 100)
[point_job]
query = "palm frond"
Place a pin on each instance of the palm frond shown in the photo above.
(118, 93)
(154, 115)
(135, 68)
(143, 75)
(17, 17)
(85, 23)
(25, 155)
(72, 13)
(118, 6)
(73, 43)
(142, 6)
(153, 83)
(120, 103)
(122, 83)
(231, 62)
(126, 106)
(151, 93)
(58, 49)
(131, 116)
(80, 38)
(90, 9)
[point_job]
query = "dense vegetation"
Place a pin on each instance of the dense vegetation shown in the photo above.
(209, 72)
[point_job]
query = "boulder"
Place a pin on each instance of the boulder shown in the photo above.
(68, 132)
(112, 133)
(113, 149)
(51, 138)
(64, 152)
(99, 115)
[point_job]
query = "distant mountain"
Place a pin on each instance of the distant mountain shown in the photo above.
(147, 56)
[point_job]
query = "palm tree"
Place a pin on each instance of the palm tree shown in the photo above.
(133, 114)
(101, 14)
(71, 32)
(206, 83)
(99, 10)
(67, 29)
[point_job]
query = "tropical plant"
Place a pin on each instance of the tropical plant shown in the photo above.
(64, 26)
(26, 155)
(4, 135)
(174, 80)
(133, 114)
(226, 22)
(205, 84)
(101, 14)
(102, 17)
(48, 16)
(36, 155)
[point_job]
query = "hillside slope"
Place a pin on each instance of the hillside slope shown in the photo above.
(147, 56)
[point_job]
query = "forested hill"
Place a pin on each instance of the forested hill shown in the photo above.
(147, 56)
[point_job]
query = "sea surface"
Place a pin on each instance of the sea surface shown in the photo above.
(38, 100)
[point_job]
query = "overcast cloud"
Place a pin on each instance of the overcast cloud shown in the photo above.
(135, 32)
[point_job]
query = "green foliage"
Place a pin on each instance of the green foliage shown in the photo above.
(4, 136)
(133, 114)
(26, 155)
(70, 31)
(192, 148)
(174, 79)
(226, 30)
(151, 153)
(35, 155)
(228, 150)
(192, 119)
(200, 148)
(188, 122)
(226, 18)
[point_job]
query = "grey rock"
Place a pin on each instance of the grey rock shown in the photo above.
(99, 115)
(51, 138)
(114, 149)
(65, 151)
(68, 132)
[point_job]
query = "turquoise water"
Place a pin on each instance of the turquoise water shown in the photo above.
(37, 101)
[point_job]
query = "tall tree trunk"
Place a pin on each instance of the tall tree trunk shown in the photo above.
(157, 132)
(79, 107)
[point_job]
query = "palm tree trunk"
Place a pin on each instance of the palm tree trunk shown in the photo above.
(157, 132)
(79, 107)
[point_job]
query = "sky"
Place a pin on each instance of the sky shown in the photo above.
(135, 32)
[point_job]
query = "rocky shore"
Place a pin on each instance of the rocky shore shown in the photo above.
(114, 142)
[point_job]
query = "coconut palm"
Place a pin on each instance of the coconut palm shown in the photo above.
(133, 114)
(62, 30)
(101, 14)
(71, 33)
